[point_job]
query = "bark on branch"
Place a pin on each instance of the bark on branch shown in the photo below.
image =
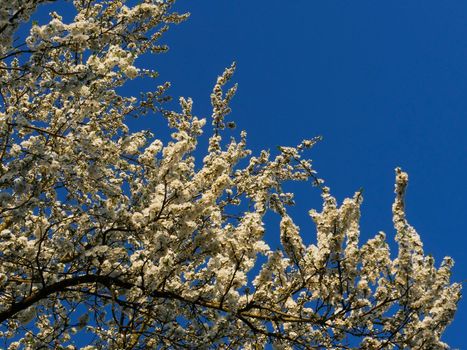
(57, 288)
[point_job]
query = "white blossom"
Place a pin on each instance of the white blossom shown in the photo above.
(147, 241)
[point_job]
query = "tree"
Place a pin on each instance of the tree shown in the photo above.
(114, 239)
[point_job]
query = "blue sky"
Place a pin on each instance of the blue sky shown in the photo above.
(385, 84)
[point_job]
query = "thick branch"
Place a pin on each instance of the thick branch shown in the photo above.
(57, 288)
(62, 286)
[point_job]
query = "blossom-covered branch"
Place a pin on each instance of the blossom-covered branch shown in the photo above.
(124, 240)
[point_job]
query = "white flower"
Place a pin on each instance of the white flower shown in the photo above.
(131, 72)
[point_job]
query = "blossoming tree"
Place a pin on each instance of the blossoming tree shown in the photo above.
(113, 239)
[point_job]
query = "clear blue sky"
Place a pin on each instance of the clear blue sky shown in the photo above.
(385, 84)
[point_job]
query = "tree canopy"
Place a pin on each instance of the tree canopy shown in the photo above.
(118, 239)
